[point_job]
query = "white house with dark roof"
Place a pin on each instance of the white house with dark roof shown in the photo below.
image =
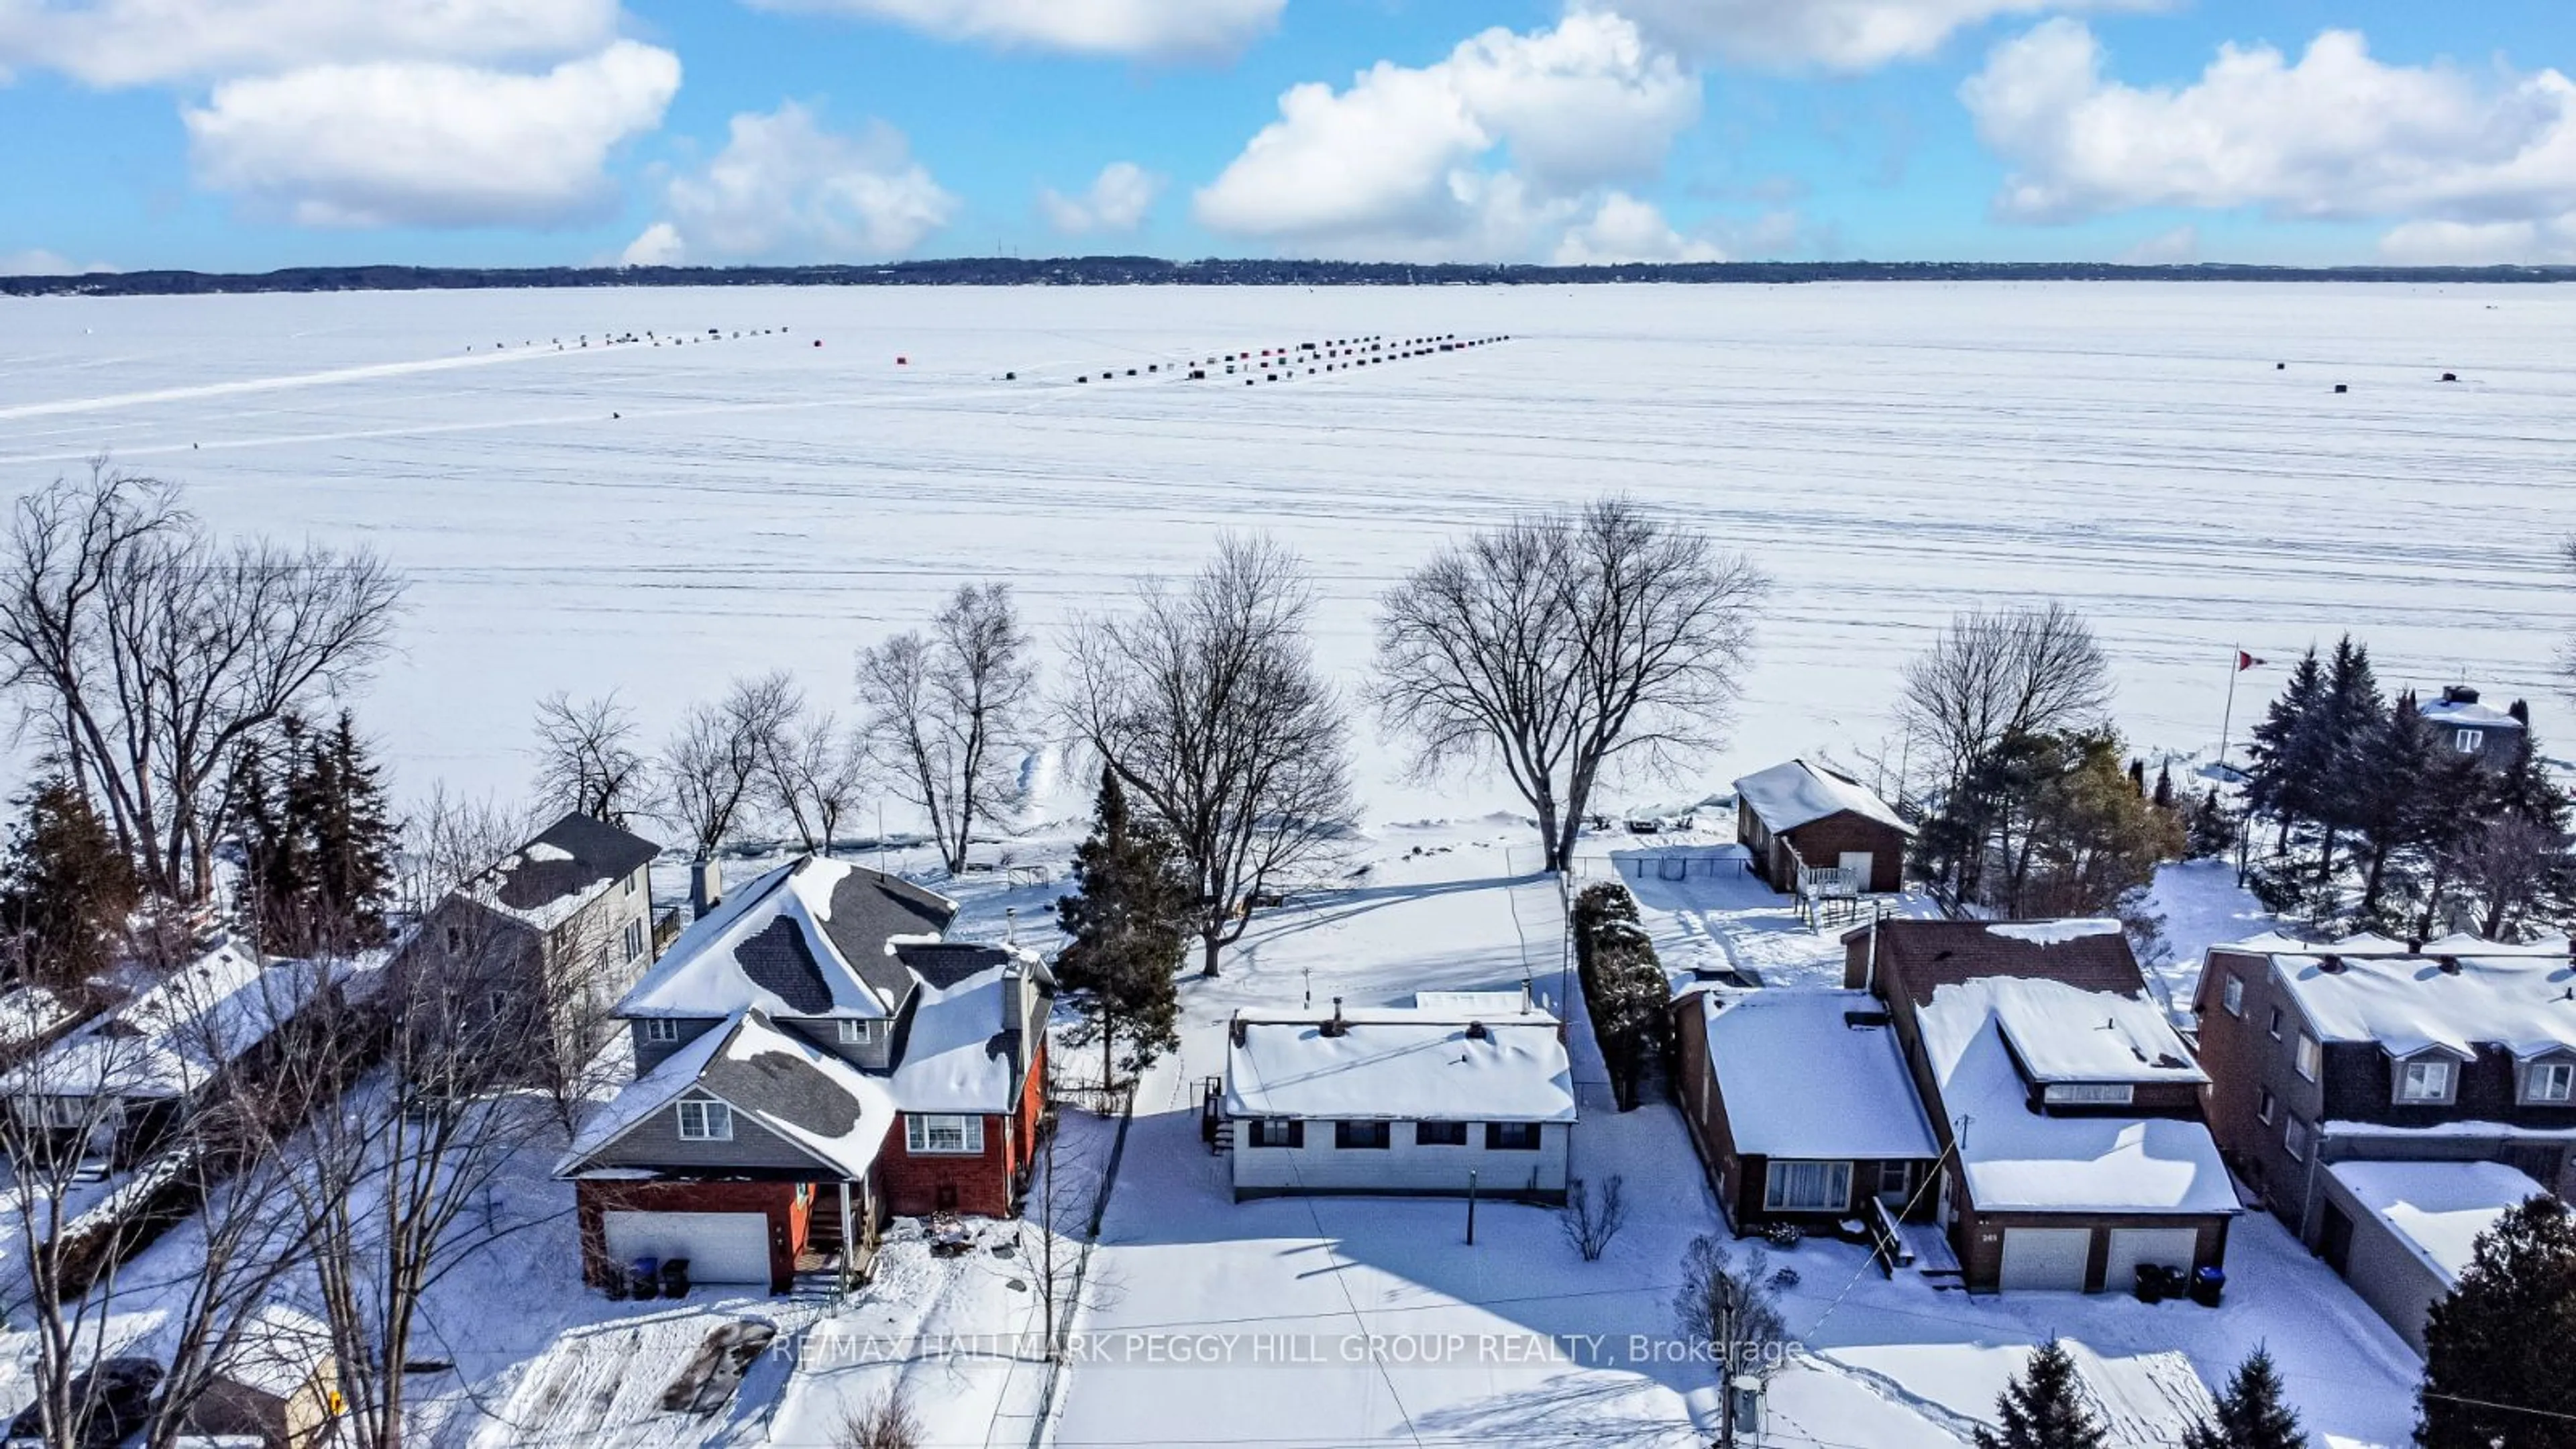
(811, 1056)
(1451, 1094)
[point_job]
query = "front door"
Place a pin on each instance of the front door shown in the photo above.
(2334, 1239)
(1857, 866)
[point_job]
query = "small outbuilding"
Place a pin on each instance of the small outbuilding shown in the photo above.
(1458, 1092)
(1804, 816)
(2402, 1233)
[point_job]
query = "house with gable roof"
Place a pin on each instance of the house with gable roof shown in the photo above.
(1803, 814)
(811, 1057)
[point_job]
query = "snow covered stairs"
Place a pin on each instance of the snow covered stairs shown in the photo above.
(1215, 1128)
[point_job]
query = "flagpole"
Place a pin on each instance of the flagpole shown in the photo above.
(2227, 721)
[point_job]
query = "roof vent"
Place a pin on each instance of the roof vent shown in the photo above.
(1476, 1031)
(2450, 964)
(2459, 694)
(1240, 1031)
(2414, 945)
(2330, 964)
(1337, 1026)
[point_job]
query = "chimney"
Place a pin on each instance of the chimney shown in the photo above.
(1525, 996)
(1476, 1031)
(706, 885)
(1337, 1026)
(2450, 965)
(2414, 945)
(2330, 964)
(1015, 990)
(2459, 694)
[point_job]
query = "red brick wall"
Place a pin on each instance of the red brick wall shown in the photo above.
(985, 1185)
(1822, 843)
(775, 1200)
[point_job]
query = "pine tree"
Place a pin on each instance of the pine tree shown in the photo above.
(66, 891)
(2287, 753)
(2040, 1409)
(352, 836)
(274, 868)
(2523, 789)
(1130, 928)
(2390, 770)
(2350, 715)
(2250, 1413)
(2501, 1339)
(2212, 827)
(2164, 795)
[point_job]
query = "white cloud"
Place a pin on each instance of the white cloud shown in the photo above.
(1155, 29)
(2336, 135)
(38, 262)
(1117, 201)
(1625, 229)
(785, 189)
(2166, 249)
(429, 144)
(1392, 165)
(1846, 35)
(140, 42)
(2480, 244)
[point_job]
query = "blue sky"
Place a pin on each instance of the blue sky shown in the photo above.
(248, 134)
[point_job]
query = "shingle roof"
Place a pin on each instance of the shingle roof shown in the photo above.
(547, 879)
(793, 1088)
(1926, 955)
(814, 938)
(1785, 797)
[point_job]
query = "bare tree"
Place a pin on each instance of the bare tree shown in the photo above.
(143, 653)
(1590, 1223)
(815, 770)
(1991, 677)
(1730, 1315)
(2510, 866)
(947, 713)
(1562, 643)
(1207, 703)
(712, 769)
(587, 758)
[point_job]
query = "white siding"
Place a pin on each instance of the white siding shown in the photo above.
(2046, 1258)
(1400, 1166)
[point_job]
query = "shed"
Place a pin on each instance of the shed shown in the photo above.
(1804, 814)
(2402, 1233)
(276, 1385)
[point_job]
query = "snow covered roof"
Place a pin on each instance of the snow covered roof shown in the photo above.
(2053, 933)
(1799, 1079)
(812, 1099)
(27, 1012)
(1917, 957)
(813, 938)
(1785, 797)
(1402, 1064)
(173, 1038)
(1473, 1005)
(961, 1051)
(2521, 998)
(2470, 714)
(276, 1349)
(2016, 1159)
(2064, 1034)
(545, 882)
(2437, 1209)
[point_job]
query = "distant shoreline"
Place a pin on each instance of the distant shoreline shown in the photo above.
(1153, 271)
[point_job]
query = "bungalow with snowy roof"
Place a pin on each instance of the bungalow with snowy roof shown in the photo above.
(1800, 1104)
(2458, 1050)
(1803, 815)
(1459, 1092)
(2466, 724)
(810, 1057)
(2067, 1107)
(123, 1081)
(534, 951)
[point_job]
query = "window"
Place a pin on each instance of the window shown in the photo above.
(2088, 1094)
(455, 940)
(634, 939)
(853, 1033)
(1895, 1178)
(1439, 1134)
(500, 1003)
(2232, 993)
(1278, 1132)
(1511, 1137)
(706, 1122)
(630, 883)
(2266, 1106)
(1360, 1134)
(2424, 1081)
(2549, 1082)
(657, 1028)
(936, 1135)
(2309, 1057)
(2294, 1140)
(2469, 742)
(2274, 1025)
(1807, 1187)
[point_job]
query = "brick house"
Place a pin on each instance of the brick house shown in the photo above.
(2066, 1106)
(810, 1059)
(1802, 813)
(1800, 1105)
(2459, 1050)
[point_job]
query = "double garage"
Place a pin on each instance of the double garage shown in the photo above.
(2061, 1259)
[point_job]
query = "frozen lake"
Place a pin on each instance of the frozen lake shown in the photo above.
(1889, 453)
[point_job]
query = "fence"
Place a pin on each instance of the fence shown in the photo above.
(1672, 865)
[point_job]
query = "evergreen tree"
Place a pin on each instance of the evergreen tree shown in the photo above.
(2288, 754)
(2349, 716)
(2040, 1409)
(2212, 828)
(2501, 1340)
(275, 874)
(2523, 789)
(317, 840)
(2164, 794)
(352, 839)
(1130, 924)
(2390, 771)
(2250, 1413)
(2455, 800)
(66, 891)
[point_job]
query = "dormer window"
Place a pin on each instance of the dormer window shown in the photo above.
(2427, 1079)
(2549, 1083)
(661, 1029)
(2087, 1094)
(853, 1033)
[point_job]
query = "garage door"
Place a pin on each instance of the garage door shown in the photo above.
(720, 1247)
(2046, 1258)
(2164, 1247)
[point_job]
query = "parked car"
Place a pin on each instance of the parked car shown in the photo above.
(119, 1392)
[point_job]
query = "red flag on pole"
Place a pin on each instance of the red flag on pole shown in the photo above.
(2245, 661)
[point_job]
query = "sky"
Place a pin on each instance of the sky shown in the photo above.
(244, 135)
